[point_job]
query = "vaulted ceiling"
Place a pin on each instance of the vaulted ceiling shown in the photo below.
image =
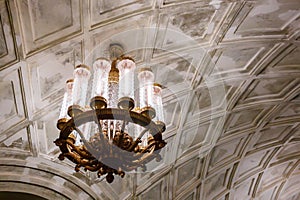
(231, 71)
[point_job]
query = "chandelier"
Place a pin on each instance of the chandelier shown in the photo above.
(106, 125)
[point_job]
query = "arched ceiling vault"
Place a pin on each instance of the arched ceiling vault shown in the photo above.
(231, 70)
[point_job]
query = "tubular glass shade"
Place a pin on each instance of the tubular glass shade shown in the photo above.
(81, 79)
(146, 78)
(100, 79)
(126, 78)
(67, 101)
(157, 102)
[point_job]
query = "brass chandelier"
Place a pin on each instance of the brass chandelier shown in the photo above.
(106, 126)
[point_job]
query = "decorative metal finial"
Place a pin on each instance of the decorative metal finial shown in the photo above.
(115, 51)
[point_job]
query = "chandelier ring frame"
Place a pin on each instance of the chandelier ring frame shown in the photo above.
(109, 114)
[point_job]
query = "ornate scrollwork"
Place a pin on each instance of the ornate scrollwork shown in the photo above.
(100, 155)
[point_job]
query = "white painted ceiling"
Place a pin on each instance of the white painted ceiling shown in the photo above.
(231, 69)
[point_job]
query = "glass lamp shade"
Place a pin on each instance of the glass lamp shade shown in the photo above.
(100, 80)
(157, 102)
(146, 78)
(126, 77)
(67, 100)
(81, 79)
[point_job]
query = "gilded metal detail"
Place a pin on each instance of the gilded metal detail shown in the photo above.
(105, 157)
(114, 72)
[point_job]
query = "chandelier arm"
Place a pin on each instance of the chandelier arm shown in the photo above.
(145, 156)
(78, 159)
(138, 140)
(66, 148)
(160, 145)
(83, 138)
(71, 156)
(134, 144)
(77, 150)
(148, 150)
(92, 168)
(148, 147)
(89, 163)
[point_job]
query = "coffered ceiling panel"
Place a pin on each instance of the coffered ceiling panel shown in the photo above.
(288, 112)
(286, 60)
(209, 98)
(175, 71)
(270, 88)
(44, 128)
(200, 20)
(185, 174)
(244, 189)
(225, 153)
(172, 112)
(44, 22)
(294, 197)
(11, 99)
(189, 196)
(270, 136)
(289, 150)
(48, 72)
(244, 119)
(236, 60)
(194, 137)
(268, 194)
(18, 141)
(156, 190)
(291, 60)
(217, 184)
(103, 12)
(7, 42)
(271, 17)
(208, 101)
(276, 173)
(295, 170)
(252, 163)
(291, 186)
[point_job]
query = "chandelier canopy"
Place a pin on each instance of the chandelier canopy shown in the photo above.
(108, 126)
